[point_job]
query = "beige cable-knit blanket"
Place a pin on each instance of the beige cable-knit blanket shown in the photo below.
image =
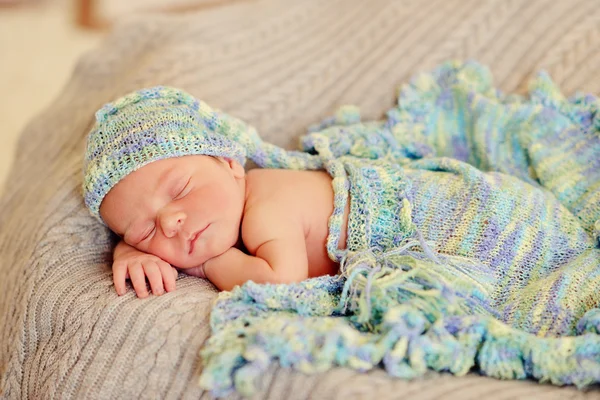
(64, 333)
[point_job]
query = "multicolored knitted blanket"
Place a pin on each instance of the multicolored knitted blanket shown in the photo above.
(473, 244)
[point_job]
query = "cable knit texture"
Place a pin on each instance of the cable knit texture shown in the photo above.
(280, 66)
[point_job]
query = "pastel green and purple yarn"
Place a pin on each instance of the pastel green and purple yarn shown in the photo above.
(146, 126)
(472, 244)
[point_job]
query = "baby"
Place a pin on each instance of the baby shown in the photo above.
(162, 180)
(198, 213)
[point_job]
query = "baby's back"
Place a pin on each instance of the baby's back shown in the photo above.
(307, 197)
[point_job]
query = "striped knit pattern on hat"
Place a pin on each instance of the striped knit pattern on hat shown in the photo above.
(146, 126)
(163, 122)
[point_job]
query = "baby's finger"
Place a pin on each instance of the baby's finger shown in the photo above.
(169, 275)
(138, 279)
(119, 276)
(154, 276)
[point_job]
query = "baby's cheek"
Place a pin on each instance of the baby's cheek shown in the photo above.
(211, 247)
(220, 201)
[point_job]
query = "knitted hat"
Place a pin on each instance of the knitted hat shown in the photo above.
(163, 122)
(149, 125)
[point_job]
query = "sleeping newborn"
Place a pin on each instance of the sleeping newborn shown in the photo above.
(199, 213)
(166, 173)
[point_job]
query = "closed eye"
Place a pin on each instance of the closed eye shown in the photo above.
(149, 234)
(183, 192)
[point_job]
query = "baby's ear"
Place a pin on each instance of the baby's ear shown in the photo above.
(236, 168)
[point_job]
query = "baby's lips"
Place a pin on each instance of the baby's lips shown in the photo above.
(195, 238)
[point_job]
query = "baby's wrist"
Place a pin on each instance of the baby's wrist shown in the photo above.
(196, 271)
(123, 254)
(123, 249)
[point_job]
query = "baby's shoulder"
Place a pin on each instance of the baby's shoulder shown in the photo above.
(277, 204)
(269, 194)
(278, 183)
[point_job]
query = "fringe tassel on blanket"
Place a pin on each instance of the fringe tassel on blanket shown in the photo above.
(399, 309)
(441, 280)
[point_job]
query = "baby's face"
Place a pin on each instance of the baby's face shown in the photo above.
(184, 210)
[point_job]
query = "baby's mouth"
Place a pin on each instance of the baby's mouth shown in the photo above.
(194, 237)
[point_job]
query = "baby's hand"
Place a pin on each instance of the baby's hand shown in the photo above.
(137, 266)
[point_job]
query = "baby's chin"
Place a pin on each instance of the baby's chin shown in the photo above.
(215, 243)
(195, 260)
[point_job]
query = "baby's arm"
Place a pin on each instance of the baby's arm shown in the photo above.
(129, 262)
(280, 249)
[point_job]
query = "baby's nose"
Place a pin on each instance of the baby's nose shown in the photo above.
(172, 223)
